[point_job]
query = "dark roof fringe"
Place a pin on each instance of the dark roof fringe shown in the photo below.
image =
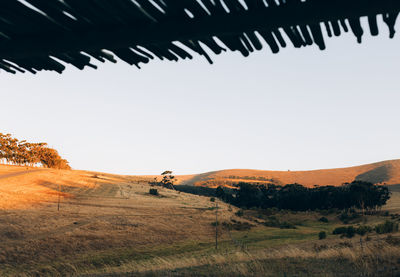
(44, 34)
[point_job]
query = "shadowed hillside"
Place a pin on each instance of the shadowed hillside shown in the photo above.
(382, 172)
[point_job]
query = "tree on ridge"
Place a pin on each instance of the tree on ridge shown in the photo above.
(15, 152)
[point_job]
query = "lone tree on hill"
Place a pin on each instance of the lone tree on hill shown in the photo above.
(168, 179)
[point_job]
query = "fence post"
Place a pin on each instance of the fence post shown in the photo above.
(216, 225)
(362, 247)
(59, 195)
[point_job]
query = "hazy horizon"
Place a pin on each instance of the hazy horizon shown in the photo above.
(301, 109)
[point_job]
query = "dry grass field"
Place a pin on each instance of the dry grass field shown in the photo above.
(99, 213)
(109, 225)
(393, 204)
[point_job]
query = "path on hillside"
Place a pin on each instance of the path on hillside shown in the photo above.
(18, 173)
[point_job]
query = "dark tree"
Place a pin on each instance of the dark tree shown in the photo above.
(358, 195)
(168, 179)
(220, 193)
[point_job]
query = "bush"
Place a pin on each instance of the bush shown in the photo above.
(322, 235)
(237, 225)
(273, 222)
(350, 232)
(324, 219)
(386, 213)
(339, 231)
(387, 227)
(362, 230)
(346, 217)
(239, 213)
(287, 225)
(345, 231)
(153, 191)
(212, 199)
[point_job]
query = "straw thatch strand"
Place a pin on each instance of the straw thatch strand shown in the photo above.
(47, 34)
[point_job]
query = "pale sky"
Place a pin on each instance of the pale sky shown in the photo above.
(301, 109)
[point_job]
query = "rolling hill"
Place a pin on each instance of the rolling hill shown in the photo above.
(387, 172)
(105, 216)
(110, 225)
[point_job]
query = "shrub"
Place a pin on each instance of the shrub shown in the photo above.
(273, 222)
(339, 231)
(237, 225)
(343, 217)
(272, 218)
(350, 232)
(212, 199)
(346, 217)
(239, 213)
(362, 230)
(387, 227)
(153, 191)
(322, 235)
(386, 213)
(287, 225)
(345, 231)
(324, 219)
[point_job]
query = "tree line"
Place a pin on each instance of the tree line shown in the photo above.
(15, 152)
(357, 194)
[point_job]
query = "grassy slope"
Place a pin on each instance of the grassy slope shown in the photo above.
(382, 172)
(110, 224)
(101, 214)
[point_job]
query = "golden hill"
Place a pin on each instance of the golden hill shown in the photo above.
(110, 224)
(382, 172)
(99, 214)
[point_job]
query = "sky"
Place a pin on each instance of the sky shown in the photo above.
(301, 109)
